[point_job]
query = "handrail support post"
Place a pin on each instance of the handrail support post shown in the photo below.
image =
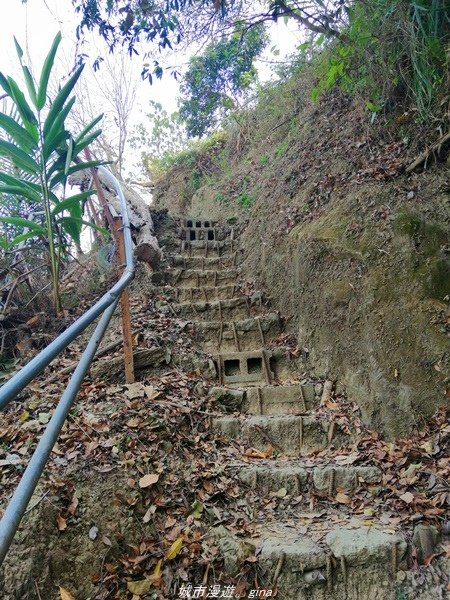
(124, 305)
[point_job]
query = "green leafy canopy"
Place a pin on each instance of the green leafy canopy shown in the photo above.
(216, 80)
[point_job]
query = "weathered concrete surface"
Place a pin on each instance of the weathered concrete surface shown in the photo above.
(272, 478)
(297, 478)
(206, 293)
(237, 335)
(350, 564)
(208, 248)
(346, 478)
(196, 278)
(280, 400)
(245, 367)
(210, 263)
(269, 399)
(290, 435)
(225, 310)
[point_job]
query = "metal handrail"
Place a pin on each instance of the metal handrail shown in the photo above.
(106, 305)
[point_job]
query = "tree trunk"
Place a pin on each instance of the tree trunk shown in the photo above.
(146, 245)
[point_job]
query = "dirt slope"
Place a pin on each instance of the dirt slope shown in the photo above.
(346, 243)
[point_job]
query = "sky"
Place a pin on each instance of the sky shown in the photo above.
(35, 24)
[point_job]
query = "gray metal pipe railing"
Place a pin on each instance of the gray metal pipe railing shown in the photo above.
(106, 305)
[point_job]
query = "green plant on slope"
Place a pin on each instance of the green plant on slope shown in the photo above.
(391, 50)
(37, 155)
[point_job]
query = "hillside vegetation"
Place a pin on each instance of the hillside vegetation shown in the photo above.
(347, 242)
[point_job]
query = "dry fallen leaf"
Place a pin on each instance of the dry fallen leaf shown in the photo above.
(407, 497)
(65, 595)
(134, 390)
(251, 453)
(140, 587)
(151, 393)
(33, 321)
(281, 493)
(148, 480)
(175, 549)
(61, 522)
(342, 498)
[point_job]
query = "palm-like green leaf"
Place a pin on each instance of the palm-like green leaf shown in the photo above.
(72, 226)
(20, 191)
(46, 70)
(35, 159)
(85, 142)
(61, 98)
(19, 157)
(22, 237)
(26, 223)
(18, 133)
(50, 139)
(29, 119)
(60, 177)
(69, 203)
(83, 133)
(30, 85)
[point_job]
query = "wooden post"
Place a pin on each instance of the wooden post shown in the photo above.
(124, 305)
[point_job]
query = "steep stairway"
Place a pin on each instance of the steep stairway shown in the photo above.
(274, 411)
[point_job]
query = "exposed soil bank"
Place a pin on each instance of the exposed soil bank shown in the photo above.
(347, 244)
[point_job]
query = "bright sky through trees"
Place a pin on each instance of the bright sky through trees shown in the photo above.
(36, 23)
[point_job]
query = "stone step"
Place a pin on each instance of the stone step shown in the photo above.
(198, 222)
(289, 435)
(245, 368)
(297, 479)
(193, 294)
(208, 248)
(268, 400)
(210, 234)
(202, 263)
(339, 563)
(217, 310)
(257, 367)
(236, 336)
(198, 278)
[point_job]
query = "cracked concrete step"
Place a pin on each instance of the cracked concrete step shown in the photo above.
(339, 563)
(288, 434)
(237, 336)
(197, 278)
(193, 278)
(297, 479)
(193, 294)
(198, 222)
(256, 368)
(205, 264)
(245, 368)
(210, 234)
(208, 248)
(268, 400)
(218, 310)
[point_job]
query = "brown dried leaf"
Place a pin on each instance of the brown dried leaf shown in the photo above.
(148, 480)
(65, 595)
(140, 587)
(342, 498)
(251, 453)
(61, 522)
(407, 497)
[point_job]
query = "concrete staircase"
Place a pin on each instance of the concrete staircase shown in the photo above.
(269, 404)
